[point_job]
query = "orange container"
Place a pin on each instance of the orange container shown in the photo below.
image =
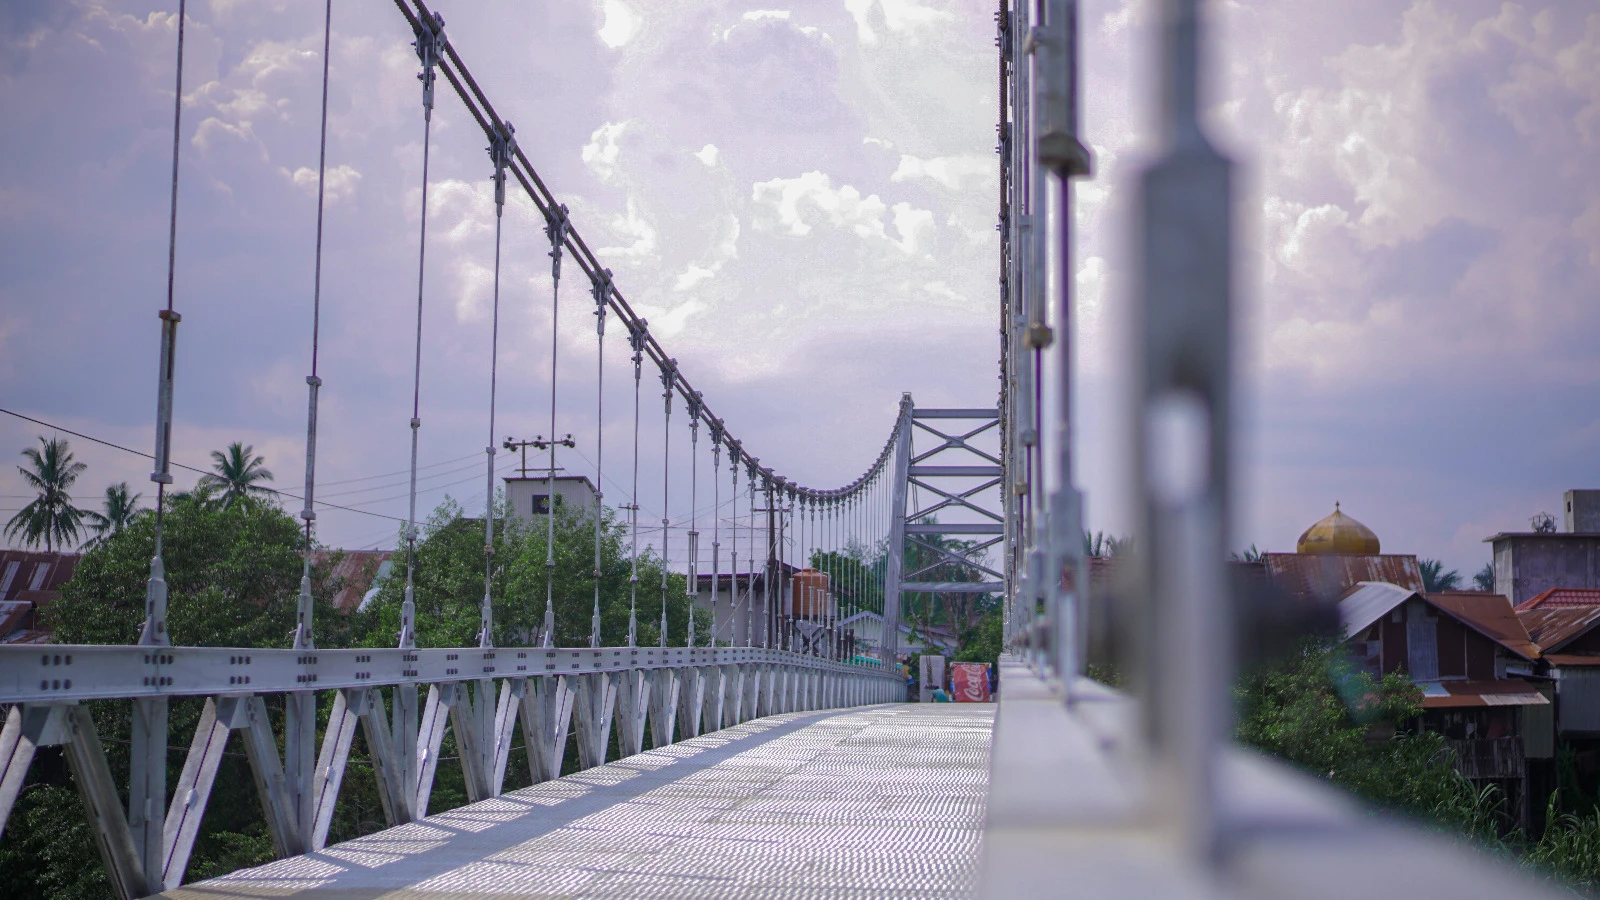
(810, 592)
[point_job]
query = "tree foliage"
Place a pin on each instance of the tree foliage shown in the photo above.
(1316, 710)
(117, 511)
(233, 578)
(238, 473)
(449, 583)
(50, 519)
(1435, 578)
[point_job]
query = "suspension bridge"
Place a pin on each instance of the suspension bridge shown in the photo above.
(770, 751)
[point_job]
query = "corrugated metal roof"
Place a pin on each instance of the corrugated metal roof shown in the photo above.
(1562, 596)
(1499, 692)
(359, 570)
(1553, 626)
(12, 614)
(1323, 577)
(1490, 615)
(1570, 659)
(1368, 602)
(20, 570)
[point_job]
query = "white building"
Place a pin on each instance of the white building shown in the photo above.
(528, 496)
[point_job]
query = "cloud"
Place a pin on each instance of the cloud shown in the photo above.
(812, 196)
(892, 16)
(951, 172)
(601, 153)
(707, 154)
(339, 183)
(621, 24)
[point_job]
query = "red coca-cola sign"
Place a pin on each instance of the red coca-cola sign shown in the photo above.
(969, 682)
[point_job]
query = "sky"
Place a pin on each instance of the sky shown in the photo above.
(801, 198)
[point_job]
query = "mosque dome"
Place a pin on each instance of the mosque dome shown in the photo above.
(1338, 533)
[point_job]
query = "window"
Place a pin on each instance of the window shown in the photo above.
(541, 504)
(11, 572)
(39, 572)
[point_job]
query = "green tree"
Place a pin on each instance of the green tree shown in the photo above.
(1484, 580)
(237, 472)
(1316, 710)
(50, 519)
(1251, 555)
(1102, 544)
(117, 511)
(448, 589)
(233, 576)
(1435, 578)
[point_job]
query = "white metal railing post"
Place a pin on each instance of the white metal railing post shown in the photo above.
(1180, 426)
(895, 559)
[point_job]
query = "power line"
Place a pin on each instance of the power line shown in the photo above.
(113, 446)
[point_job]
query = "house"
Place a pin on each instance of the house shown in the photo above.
(868, 627)
(357, 573)
(528, 496)
(1528, 563)
(1475, 662)
(739, 609)
(29, 583)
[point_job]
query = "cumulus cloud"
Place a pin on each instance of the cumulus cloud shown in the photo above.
(790, 200)
(951, 172)
(339, 182)
(601, 153)
(621, 24)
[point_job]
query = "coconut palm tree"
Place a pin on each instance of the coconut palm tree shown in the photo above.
(118, 510)
(51, 519)
(1435, 578)
(236, 472)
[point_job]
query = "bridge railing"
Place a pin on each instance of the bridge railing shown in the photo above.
(485, 696)
(1144, 794)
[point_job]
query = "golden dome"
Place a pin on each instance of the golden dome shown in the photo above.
(1338, 533)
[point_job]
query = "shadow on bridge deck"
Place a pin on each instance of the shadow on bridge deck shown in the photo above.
(866, 802)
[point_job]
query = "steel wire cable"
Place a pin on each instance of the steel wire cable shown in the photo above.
(667, 380)
(304, 638)
(556, 229)
(602, 287)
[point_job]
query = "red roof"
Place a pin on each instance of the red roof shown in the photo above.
(1563, 597)
(1553, 627)
(1489, 614)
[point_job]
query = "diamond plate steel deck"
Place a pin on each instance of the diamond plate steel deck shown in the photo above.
(883, 801)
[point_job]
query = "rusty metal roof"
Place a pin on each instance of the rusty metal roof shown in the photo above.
(1490, 615)
(1499, 692)
(358, 569)
(1562, 596)
(1552, 627)
(12, 615)
(1561, 660)
(1323, 577)
(20, 570)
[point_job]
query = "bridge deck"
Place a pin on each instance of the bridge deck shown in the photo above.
(868, 802)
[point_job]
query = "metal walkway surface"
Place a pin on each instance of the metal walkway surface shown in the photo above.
(880, 801)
